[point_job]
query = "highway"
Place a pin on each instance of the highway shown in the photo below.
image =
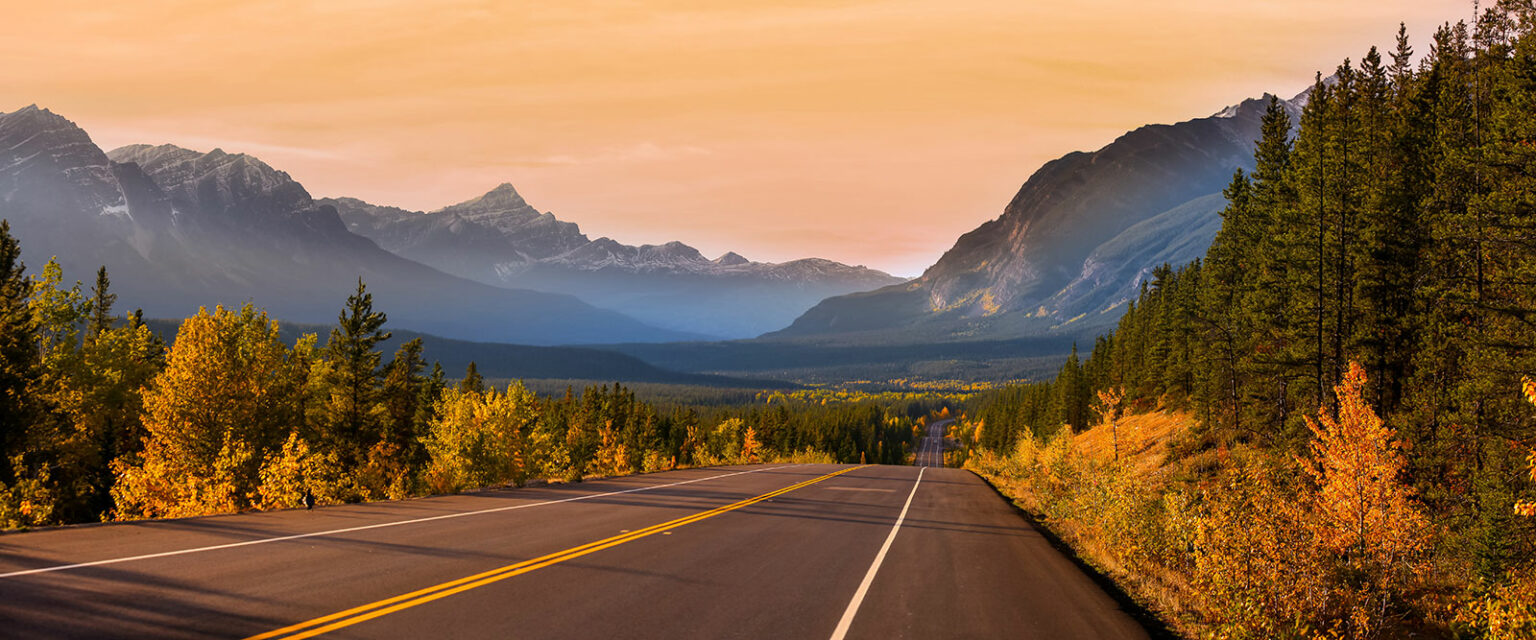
(930, 452)
(800, 551)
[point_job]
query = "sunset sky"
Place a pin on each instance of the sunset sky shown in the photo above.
(869, 132)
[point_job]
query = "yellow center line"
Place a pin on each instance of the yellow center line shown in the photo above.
(349, 617)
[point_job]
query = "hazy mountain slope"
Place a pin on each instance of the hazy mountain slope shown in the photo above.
(178, 229)
(1053, 255)
(1112, 275)
(500, 239)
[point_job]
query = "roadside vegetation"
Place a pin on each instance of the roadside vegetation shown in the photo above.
(1324, 428)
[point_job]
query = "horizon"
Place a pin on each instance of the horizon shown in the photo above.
(869, 133)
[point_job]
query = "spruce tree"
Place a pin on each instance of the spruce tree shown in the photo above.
(18, 351)
(472, 380)
(101, 304)
(352, 352)
(402, 398)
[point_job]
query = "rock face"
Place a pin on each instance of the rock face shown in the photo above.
(1074, 243)
(500, 239)
(178, 229)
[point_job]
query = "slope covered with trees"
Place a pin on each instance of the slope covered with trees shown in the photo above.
(1353, 345)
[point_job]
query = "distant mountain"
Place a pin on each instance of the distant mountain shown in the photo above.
(1072, 247)
(178, 229)
(500, 239)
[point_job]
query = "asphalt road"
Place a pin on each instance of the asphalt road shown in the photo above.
(930, 452)
(804, 551)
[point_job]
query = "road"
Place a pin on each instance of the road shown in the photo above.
(801, 551)
(930, 452)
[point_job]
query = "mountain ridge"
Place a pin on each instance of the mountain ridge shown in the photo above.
(499, 239)
(1038, 268)
(188, 229)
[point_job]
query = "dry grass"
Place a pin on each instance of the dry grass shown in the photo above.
(1143, 439)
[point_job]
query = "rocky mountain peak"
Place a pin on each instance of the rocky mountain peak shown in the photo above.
(731, 259)
(234, 186)
(501, 200)
(671, 252)
(49, 166)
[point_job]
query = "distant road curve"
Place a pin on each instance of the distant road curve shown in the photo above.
(798, 551)
(930, 453)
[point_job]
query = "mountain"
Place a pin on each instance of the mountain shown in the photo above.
(178, 229)
(499, 239)
(1072, 246)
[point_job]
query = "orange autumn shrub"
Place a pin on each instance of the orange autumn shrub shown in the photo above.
(1372, 534)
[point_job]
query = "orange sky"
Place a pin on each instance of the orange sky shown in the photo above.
(870, 132)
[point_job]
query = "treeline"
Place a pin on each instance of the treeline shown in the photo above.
(999, 418)
(100, 419)
(1394, 226)
(1397, 230)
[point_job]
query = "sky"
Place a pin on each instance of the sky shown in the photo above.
(870, 132)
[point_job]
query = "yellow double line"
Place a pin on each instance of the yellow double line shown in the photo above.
(327, 624)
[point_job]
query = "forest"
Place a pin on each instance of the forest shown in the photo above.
(1356, 350)
(101, 419)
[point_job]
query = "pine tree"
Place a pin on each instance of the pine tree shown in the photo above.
(1269, 307)
(101, 304)
(352, 423)
(402, 397)
(472, 380)
(18, 353)
(1072, 394)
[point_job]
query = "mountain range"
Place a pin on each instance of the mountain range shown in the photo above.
(499, 239)
(1075, 244)
(1072, 247)
(179, 229)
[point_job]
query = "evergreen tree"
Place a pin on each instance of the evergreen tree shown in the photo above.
(352, 422)
(472, 380)
(402, 397)
(101, 304)
(18, 353)
(1072, 394)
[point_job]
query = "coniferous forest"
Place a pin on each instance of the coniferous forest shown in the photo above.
(1356, 352)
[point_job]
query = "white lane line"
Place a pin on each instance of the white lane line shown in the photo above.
(869, 577)
(332, 532)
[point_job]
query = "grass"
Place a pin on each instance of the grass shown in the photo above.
(1143, 437)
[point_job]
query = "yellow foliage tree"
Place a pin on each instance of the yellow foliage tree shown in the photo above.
(1109, 410)
(1255, 563)
(750, 447)
(230, 394)
(1528, 509)
(89, 386)
(612, 454)
(722, 445)
(1362, 513)
(296, 469)
(480, 439)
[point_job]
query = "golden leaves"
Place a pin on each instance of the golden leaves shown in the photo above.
(1362, 507)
